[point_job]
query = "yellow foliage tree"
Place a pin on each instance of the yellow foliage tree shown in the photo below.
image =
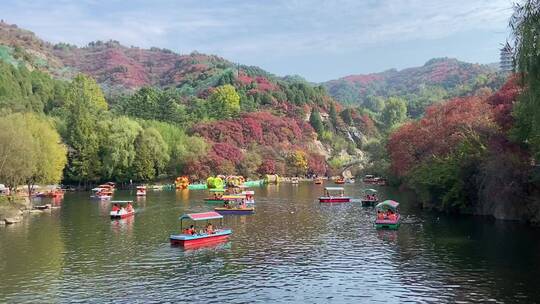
(298, 162)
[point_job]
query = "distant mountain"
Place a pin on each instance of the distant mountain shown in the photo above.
(112, 64)
(446, 76)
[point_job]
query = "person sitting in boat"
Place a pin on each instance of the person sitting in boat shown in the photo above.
(115, 208)
(129, 208)
(191, 230)
(380, 215)
(392, 216)
(209, 229)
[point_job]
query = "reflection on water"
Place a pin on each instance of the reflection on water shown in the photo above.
(292, 249)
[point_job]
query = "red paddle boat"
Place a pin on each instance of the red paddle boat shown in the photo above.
(122, 209)
(190, 237)
(334, 195)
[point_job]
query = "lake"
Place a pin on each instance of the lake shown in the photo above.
(293, 249)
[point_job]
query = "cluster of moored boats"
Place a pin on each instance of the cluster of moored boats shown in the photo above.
(387, 216)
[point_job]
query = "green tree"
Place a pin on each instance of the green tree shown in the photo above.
(117, 143)
(152, 155)
(17, 151)
(249, 165)
(346, 115)
(31, 151)
(51, 154)
(395, 112)
(316, 122)
(332, 115)
(85, 102)
(224, 102)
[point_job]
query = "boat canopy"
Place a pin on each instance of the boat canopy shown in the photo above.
(232, 197)
(389, 204)
(202, 216)
(217, 190)
(121, 202)
(248, 192)
(370, 191)
(333, 188)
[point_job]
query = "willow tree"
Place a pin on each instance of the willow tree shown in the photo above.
(117, 143)
(17, 151)
(152, 155)
(51, 154)
(525, 24)
(31, 151)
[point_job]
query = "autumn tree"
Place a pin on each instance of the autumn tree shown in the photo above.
(298, 162)
(224, 102)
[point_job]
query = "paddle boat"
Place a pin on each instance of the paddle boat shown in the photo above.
(249, 196)
(374, 180)
(157, 187)
(387, 215)
(369, 197)
(216, 196)
(294, 180)
(189, 236)
(141, 190)
(42, 207)
(103, 194)
(235, 205)
(55, 193)
(181, 183)
(108, 187)
(334, 195)
(340, 181)
(318, 181)
(122, 209)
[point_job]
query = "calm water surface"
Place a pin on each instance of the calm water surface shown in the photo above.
(292, 250)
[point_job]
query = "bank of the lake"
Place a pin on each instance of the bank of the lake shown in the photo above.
(292, 249)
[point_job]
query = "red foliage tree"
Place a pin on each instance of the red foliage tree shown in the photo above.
(443, 127)
(268, 166)
(226, 151)
(503, 102)
(316, 164)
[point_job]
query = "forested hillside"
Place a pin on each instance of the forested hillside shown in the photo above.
(437, 79)
(128, 113)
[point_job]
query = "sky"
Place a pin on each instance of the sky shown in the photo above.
(316, 39)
